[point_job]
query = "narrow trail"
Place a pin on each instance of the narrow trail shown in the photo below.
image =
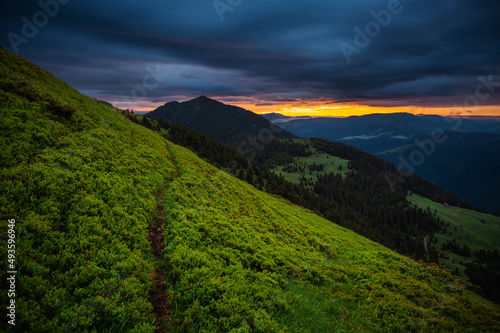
(425, 245)
(159, 296)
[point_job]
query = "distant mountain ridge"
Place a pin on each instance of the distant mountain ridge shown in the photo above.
(226, 123)
(277, 118)
(389, 130)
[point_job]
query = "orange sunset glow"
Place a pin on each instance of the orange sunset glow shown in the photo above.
(346, 110)
(318, 109)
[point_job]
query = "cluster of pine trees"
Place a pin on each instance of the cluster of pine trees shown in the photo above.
(281, 152)
(484, 272)
(317, 167)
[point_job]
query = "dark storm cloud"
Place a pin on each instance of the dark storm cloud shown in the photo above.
(428, 52)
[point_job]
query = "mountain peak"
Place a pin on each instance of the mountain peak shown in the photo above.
(203, 98)
(226, 123)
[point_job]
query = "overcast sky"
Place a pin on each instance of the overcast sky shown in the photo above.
(266, 54)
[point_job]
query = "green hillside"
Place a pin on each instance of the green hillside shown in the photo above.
(474, 229)
(308, 168)
(255, 261)
(466, 233)
(81, 188)
(85, 186)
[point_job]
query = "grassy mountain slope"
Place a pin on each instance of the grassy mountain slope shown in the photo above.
(468, 244)
(226, 123)
(474, 229)
(82, 191)
(83, 184)
(254, 262)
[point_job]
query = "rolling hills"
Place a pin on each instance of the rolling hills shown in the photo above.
(465, 163)
(86, 185)
(376, 132)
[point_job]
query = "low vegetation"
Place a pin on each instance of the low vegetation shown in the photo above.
(81, 188)
(256, 263)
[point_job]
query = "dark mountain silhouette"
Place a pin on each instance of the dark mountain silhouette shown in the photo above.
(226, 123)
